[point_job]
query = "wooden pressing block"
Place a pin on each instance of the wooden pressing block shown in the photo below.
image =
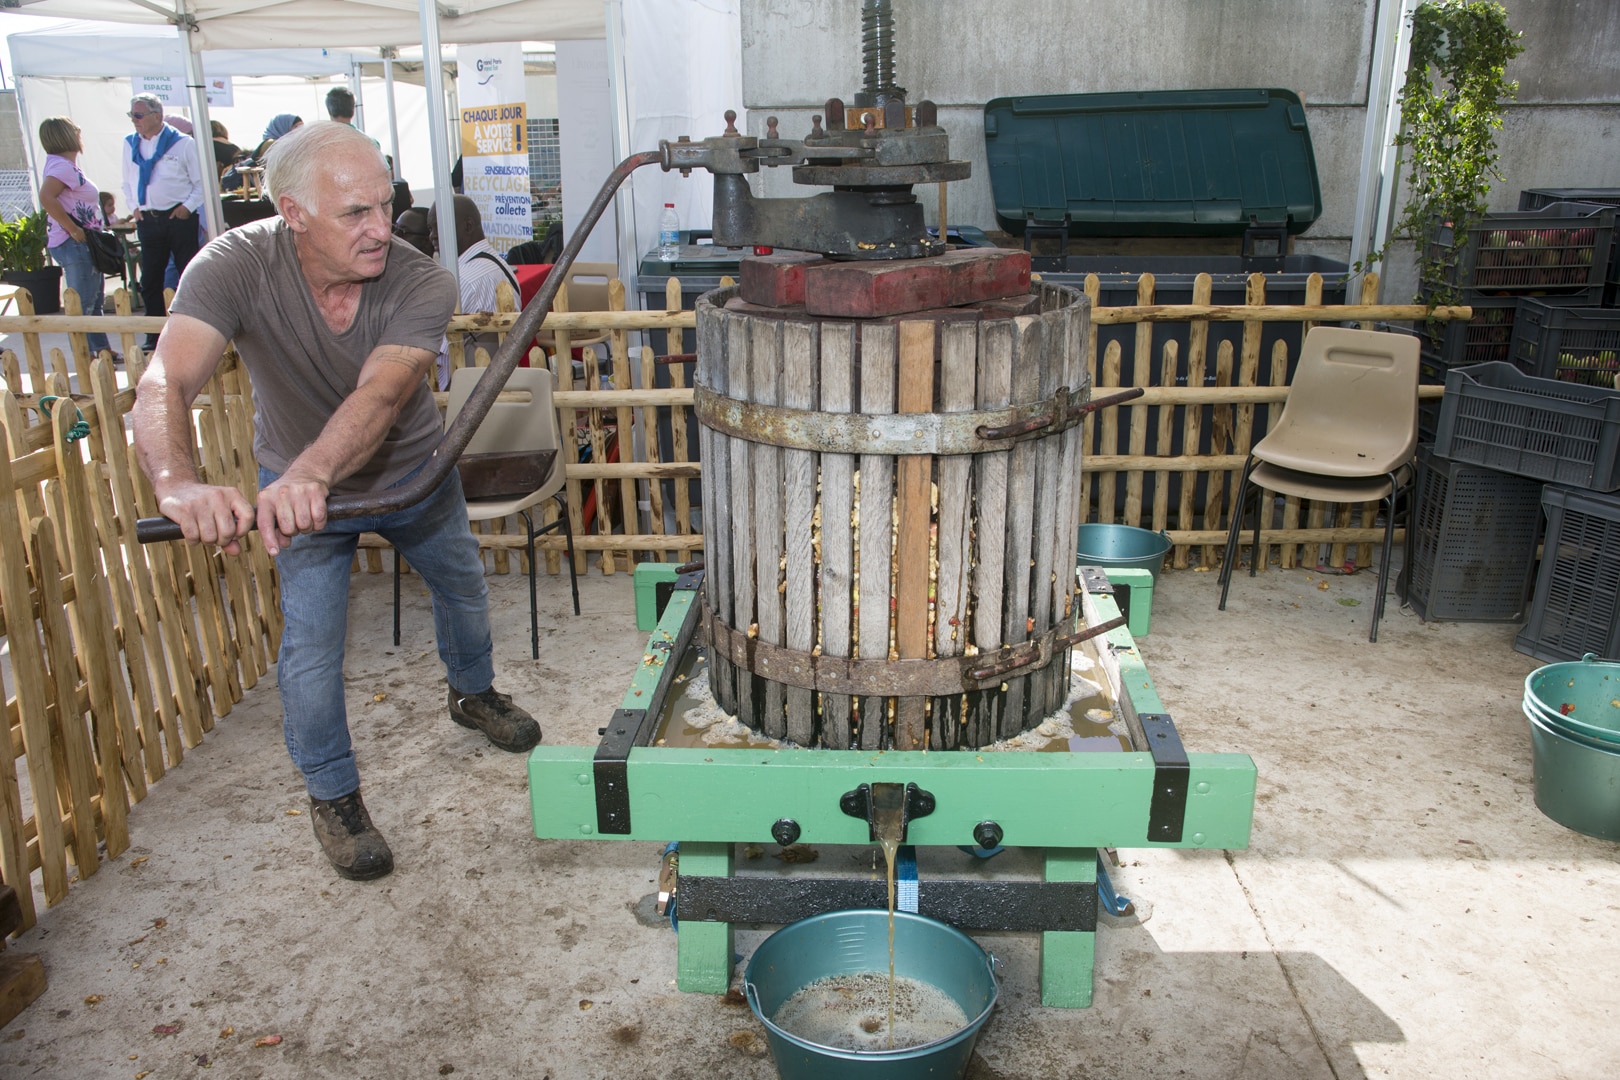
(22, 975)
(865, 290)
(775, 280)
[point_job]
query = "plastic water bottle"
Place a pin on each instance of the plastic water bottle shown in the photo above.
(669, 234)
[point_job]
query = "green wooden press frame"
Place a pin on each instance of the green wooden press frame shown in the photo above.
(1066, 804)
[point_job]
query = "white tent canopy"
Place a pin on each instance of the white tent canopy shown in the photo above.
(107, 51)
(277, 24)
(271, 24)
(649, 100)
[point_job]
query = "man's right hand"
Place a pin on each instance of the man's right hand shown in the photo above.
(208, 514)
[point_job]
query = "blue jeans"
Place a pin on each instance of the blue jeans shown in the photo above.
(80, 275)
(435, 538)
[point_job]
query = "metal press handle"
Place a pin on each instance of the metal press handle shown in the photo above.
(501, 365)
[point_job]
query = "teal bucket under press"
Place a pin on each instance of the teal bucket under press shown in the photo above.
(1574, 713)
(848, 942)
(1582, 698)
(1122, 547)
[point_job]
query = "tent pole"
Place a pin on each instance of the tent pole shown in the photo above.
(29, 138)
(213, 212)
(1392, 46)
(357, 90)
(438, 135)
(388, 55)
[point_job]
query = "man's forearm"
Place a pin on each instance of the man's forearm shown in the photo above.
(163, 445)
(350, 437)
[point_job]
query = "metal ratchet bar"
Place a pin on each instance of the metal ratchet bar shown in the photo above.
(1046, 420)
(501, 366)
(1029, 658)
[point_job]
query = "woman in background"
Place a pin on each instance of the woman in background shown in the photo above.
(278, 126)
(71, 202)
(225, 151)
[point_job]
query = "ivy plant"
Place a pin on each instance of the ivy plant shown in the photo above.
(1451, 109)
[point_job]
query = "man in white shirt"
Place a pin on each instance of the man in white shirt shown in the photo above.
(163, 186)
(479, 268)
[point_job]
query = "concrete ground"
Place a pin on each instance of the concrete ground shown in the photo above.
(1403, 910)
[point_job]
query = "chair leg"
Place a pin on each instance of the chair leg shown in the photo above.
(568, 534)
(1389, 547)
(1232, 532)
(396, 596)
(533, 609)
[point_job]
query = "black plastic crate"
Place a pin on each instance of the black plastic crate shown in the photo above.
(1564, 247)
(1576, 609)
(1484, 339)
(1564, 433)
(1471, 544)
(1536, 198)
(1576, 345)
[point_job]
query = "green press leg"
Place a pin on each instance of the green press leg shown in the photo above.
(1066, 955)
(703, 964)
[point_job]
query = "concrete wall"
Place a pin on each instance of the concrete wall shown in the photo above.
(1564, 130)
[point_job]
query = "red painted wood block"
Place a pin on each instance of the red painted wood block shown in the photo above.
(865, 290)
(777, 279)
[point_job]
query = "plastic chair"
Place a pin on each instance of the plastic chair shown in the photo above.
(515, 426)
(588, 295)
(1347, 434)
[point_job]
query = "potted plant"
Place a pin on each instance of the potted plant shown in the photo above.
(22, 262)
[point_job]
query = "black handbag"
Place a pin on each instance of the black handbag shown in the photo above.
(106, 251)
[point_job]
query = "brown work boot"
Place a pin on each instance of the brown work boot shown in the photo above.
(492, 712)
(351, 842)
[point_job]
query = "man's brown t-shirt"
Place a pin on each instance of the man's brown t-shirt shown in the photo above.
(247, 284)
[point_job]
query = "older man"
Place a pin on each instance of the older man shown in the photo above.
(338, 324)
(163, 186)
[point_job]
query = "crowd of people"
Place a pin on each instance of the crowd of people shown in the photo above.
(162, 188)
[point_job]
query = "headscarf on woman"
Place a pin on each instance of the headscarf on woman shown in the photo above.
(280, 124)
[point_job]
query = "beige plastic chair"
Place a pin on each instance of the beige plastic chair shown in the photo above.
(587, 291)
(515, 427)
(1347, 434)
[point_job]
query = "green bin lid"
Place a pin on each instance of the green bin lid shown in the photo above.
(1154, 163)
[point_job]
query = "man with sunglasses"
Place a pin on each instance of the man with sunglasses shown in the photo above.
(163, 186)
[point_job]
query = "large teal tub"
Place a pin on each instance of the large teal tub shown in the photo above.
(849, 942)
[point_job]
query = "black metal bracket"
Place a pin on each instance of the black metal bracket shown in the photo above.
(967, 904)
(858, 804)
(1167, 813)
(631, 728)
(612, 771)
(1095, 581)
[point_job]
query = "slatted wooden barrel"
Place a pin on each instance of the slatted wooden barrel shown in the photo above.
(887, 568)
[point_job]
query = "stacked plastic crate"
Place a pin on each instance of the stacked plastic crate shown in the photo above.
(1530, 399)
(1549, 412)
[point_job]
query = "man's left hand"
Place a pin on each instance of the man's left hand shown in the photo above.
(180, 212)
(293, 504)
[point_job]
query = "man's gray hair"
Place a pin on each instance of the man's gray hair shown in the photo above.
(152, 102)
(294, 162)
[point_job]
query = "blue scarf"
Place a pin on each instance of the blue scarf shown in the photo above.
(167, 137)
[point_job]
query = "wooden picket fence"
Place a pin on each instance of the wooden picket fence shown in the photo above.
(130, 653)
(1212, 404)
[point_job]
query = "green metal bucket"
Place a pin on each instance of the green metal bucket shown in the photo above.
(1581, 698)
(1122, 547)
(847, 942)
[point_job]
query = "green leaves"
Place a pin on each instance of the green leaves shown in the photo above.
(22, 242)
(1451, 108)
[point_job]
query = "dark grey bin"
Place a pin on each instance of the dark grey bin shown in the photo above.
(1471, 544)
